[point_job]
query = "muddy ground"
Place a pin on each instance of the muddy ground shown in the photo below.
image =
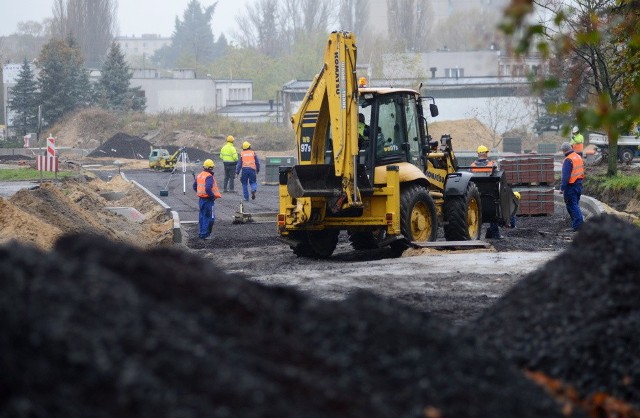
(240, 326)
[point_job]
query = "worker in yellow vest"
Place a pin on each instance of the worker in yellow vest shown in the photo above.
(577, 141)
(249, 166)
(229, 157)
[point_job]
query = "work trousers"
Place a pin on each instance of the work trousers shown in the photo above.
(206, 216)
(248, 180)
(572, 200)
(493, 231)
(229, 174)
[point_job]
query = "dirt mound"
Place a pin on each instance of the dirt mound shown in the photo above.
(86, 128)
(124, 332)
(466, 134)
(41, 215)
(122, 145)
(577, 319)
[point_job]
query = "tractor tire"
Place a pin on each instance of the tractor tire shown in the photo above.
(625, 155)
(316, 244)
(366, 240)
(418, 219)
(463, 215)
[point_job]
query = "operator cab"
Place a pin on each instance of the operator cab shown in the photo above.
(394, 127)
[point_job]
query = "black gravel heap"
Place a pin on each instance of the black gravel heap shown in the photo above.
(578, 318)
(122, 145)
(96, 329)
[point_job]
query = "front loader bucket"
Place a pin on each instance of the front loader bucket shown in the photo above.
(319, 180)
(497, 198)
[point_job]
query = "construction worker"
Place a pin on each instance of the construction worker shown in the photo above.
(571, 184)
(229, 157)
(577, 141)
(249, 166)
(206, 189)
(484, 165)
(512, 221)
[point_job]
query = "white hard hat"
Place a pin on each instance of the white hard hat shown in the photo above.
(575, 130)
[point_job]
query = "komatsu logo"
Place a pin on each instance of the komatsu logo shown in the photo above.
(340, 79)
(436, 177)
(336, 62)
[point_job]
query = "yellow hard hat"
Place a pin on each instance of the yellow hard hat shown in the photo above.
(208, 163)
(246, 145)
(230, 138)
(482, 149)
(517, 195)
(362, 82)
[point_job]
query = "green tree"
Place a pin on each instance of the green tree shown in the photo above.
(113, 90)
(192, 43)
(592, 39)
(23, 101)
(63, 81)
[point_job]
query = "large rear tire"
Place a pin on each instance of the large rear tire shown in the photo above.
(316, 244)
(625, 155)
(463, 215)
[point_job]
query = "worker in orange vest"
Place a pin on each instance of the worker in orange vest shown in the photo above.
(249, 166)
(571, 184)
(206, 189)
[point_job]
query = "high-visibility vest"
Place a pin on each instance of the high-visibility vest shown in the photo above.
(361, 128)
(201, 185)
(577, 172)
(577, 143)
(228, 153)
(248, 159)
(482, 166)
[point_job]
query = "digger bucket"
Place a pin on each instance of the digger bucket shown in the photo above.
(319, 180)
(497, 198)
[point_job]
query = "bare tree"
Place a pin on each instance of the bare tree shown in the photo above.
(90, 22)
(468, 30)
(305, 18)
(261, 27)
(505, 114)
(354, 16)
(407, 29)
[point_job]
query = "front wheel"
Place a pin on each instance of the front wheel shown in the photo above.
(463, 215)
(418, 221)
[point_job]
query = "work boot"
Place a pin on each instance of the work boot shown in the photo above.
(253, 195)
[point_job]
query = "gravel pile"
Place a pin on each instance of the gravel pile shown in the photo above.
(97, 329)
(122, 145)
(577, 319)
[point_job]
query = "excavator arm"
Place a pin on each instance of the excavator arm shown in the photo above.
(326, 130)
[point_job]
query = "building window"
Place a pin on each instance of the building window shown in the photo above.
(454, 72)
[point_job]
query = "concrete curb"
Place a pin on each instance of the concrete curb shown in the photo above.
(177, 231)
(590, 207)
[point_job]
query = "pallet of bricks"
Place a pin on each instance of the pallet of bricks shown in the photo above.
(532, 176)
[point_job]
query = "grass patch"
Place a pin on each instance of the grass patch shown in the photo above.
(614, 183)
(19, 174)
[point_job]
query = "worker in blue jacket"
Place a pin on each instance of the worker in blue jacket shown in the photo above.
(206, 189)
(571, 184)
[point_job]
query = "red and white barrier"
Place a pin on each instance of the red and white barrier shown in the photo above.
(51, 146)
(46, 163)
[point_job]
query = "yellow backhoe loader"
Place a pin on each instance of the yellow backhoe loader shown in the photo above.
(368, 166)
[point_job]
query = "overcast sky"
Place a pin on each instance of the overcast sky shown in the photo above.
(135, 17)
